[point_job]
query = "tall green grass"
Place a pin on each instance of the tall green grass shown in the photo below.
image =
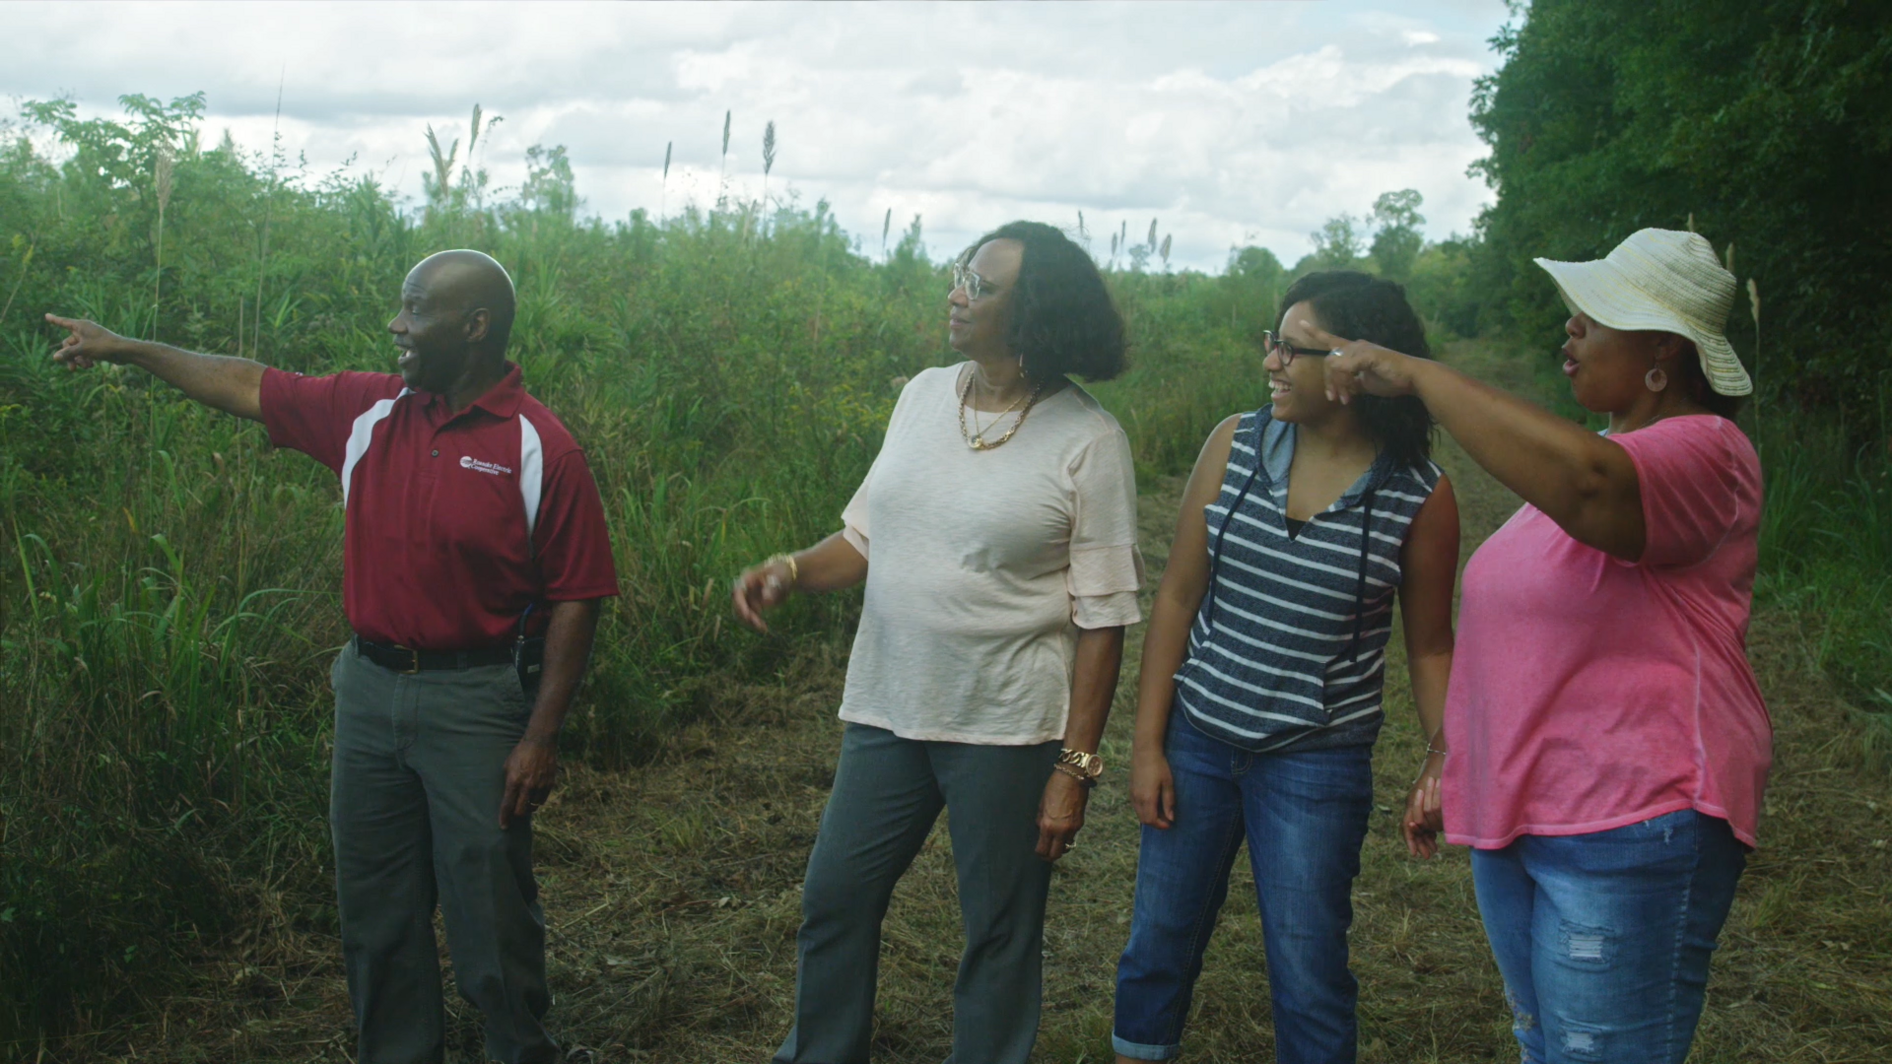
(169, 596)
(169, 583)
(1826, 555)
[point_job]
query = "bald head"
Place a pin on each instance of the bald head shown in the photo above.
(456, 316)
(469, 282)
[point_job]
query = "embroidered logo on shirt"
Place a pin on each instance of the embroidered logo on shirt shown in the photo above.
(469, 462)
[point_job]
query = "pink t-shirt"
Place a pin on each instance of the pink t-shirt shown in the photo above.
(1587, 692)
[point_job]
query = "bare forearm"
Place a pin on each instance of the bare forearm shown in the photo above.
(1550, 462)
(1093, 686)
(568, 643)
(1431, 672)
(830, 565)
(1164, 645)
(232, 385)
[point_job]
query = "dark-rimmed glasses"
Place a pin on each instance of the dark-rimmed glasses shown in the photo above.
(1273, 343)
(975, 285)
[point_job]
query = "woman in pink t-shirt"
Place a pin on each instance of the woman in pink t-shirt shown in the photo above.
(1608, 744)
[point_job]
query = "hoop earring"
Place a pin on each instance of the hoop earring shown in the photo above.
(1655, 380)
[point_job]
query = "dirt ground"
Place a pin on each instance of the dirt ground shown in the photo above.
(671, 891)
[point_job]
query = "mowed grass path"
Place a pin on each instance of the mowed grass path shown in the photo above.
(671, 891)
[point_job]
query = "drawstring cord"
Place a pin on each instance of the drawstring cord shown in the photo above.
(1352, 653)
(1359, 588)
(1215, 556)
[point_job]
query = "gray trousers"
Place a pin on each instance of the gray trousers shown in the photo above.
(418, 774)
(888, 791)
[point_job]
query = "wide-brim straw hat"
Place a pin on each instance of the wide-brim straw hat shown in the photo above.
(1663, 280)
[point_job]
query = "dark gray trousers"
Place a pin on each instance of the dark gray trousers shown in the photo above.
(418, 774)
(888, 791)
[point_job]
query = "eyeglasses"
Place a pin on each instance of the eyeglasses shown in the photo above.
(1274, 344)
(974, 284)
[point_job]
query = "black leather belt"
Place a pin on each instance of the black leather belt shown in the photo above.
(406, 659)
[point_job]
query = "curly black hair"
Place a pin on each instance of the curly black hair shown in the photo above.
(1360, 306)
(1063, 319)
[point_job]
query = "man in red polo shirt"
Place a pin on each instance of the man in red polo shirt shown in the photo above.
(475, 561)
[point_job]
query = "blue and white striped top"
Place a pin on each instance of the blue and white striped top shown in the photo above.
(1289, 647)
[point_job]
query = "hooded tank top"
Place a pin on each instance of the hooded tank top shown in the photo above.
(1288, 650)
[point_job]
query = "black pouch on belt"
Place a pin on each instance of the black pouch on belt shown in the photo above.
(528, 657)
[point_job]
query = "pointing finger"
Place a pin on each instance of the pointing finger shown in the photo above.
(1320, 336)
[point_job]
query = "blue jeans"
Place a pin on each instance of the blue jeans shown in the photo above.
(1304, 816)
(1603, 939)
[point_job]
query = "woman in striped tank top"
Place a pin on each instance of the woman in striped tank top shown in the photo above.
(1263, 670)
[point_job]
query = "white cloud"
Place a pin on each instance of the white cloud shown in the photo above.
(1231, 123)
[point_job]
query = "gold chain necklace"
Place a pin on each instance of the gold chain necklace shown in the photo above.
(979, 430)
(977, 440)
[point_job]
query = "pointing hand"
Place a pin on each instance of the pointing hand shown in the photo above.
(89, 344)
(1356, 366)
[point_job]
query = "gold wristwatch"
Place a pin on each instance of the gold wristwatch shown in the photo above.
(1084, 767)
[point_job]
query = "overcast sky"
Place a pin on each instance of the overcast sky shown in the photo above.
(1231, 124)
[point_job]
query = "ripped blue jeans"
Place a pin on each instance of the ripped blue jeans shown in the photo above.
(1603, 939)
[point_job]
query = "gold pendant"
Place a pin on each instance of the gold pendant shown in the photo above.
(978, 443)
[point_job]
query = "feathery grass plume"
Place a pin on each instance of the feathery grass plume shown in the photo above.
(1081, 231)
(886, 226)
(162, 168)
(471, 195)
(663, 183)
(269, 207)
(436, 187)
(768, 159)
(1165, 252)
(1113, 247)
(1152, 234)
(1754, 308)
(722, 176)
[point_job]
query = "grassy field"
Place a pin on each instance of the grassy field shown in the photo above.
(671, 893)
(169, 602)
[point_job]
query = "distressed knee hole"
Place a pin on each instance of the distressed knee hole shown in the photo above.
(1588, 946)
(1583, 1043)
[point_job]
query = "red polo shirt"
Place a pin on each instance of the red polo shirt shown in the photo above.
(455, 524)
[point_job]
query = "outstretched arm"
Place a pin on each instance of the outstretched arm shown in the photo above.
(232, 385)
(1584, 482)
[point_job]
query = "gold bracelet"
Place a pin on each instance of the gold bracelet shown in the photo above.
(1075, 773)
(794, 571)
